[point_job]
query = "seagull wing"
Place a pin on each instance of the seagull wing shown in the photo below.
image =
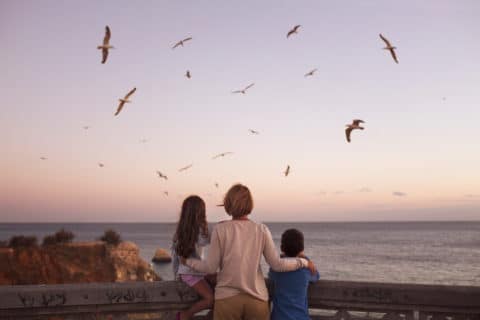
(104, 55)
(185, 168)
(237, 91)
(385, 40)
(177, 44)
(356, 122)
(119, 108)
(310, 73)
(249, 86)
(130, 93)
(394, 55)
(347, 133)
(187, 39)
(108, 34)
(290, 32)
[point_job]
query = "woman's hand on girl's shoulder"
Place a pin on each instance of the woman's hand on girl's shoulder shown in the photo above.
(182, 260)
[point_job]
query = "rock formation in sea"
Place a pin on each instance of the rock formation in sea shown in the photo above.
(74, 263)
(161, 256)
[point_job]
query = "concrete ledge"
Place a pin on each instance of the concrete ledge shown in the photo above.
(168, 296)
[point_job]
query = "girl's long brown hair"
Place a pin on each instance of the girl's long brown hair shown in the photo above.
(193, 221)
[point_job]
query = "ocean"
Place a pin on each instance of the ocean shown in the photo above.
(401, 252)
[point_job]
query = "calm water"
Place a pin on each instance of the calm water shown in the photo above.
(415, 252)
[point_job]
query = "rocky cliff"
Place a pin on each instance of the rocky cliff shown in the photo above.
(74, 263)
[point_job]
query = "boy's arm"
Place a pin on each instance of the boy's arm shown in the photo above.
(314, 277)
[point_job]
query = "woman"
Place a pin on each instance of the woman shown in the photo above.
(236, 248)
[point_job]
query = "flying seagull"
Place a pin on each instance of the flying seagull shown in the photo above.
(185, 168)
(165, 193)
(143, 140)
(389, 47)
(124, 100)
(245, 89)
(86, 127)
(160, 175)
(180, 43)
(43, 158)
(308, 74)
(253, 131)
(287, 171)
(216, 184)
(221, 155)
(355, 125)
(106, 44)
(188, 75)
(101, 165)
(294, 30)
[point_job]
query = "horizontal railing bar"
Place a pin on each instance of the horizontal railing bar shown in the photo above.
(144, 297)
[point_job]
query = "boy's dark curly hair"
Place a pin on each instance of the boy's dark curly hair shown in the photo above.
(292, 242)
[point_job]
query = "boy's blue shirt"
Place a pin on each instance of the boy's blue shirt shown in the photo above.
(290, 301)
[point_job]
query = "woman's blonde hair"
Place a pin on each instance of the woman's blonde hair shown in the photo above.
(238, 201)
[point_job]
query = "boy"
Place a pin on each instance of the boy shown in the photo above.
(290, 288)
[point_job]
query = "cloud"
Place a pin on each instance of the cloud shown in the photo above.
(365, 189)
(399, 194)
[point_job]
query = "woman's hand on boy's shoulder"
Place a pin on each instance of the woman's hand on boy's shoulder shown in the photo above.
(311, 267)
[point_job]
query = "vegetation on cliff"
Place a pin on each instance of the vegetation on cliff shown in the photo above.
(111, 237)
(22, 242)
(62, 236)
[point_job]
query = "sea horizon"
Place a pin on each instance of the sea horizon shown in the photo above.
(228, 218)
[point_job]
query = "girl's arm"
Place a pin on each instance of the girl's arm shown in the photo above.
(212, 263)
(273, 258)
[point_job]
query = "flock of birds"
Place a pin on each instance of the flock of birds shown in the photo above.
(106, 47)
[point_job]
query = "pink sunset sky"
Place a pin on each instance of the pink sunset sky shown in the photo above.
(417, 159)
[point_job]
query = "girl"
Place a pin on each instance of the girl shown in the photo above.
(190, 238)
